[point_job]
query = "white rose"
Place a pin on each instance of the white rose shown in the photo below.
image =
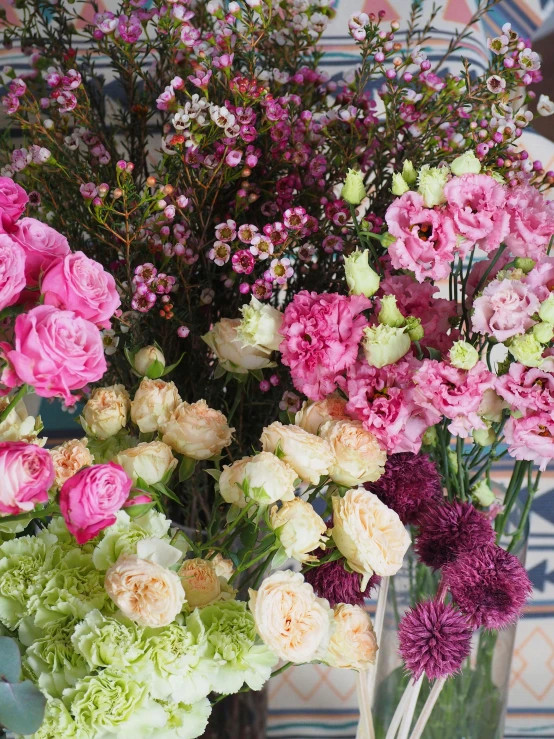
(353, 644)
(223, 340)
(260, 326)
(69, 458)
(200, 582)
(145, 358)
(269, 479)
(106, 411)
(291, 620)
(313, 415)
(145, 592)
(153, 404)
(231, 478)
(148, 460)
(299, 529)
(223, 567)
(368, 534)
(18, 424)
(359, 457)
(197, 431)
(384, 344)
(308, 455)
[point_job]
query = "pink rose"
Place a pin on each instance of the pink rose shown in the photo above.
(425, 237)
(504, 309)
(82, 285)
(531, 222)
(27, 473)
(531, 438)
(13, 200)
(12, 271)
(56, 352)
(90, 499)
(42, 245)
(477, 204)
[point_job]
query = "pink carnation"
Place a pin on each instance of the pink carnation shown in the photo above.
(13, 200)
(82, 285)
(27, 473)
(454, 393)
(504, 309)
(322, 334)
(477, 204)
(531, 438)
(531, 222)
(90, 499)
(425, 238)
(12, 271)
(527, 388)
(56, 352)
(42, 245)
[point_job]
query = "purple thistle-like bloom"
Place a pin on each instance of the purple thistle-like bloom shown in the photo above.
(434, 639)
(489, 585)
(447, 530)
(331, 581)
(410, 482)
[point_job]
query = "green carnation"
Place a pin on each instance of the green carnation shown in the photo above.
(57, 723)
(112, 703)
(107, 642)
(51, 657)
(185, 721)
(125, 534)
(25, 567)
(73, 589)
(233, 647)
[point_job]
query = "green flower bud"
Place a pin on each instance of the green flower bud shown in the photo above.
(525, 264)
(353, 190)
(431, 182)
(408, 172)
(546, 310)
(384, 345)
(149, 362)
(543, 332)
(399, 184)
(483, 494)
(387, 239)
(361, 279)
(453, 461)
(466, 164)
(414, 328)
(430, 437)
(389, 313)
(463, 355)
(527, 349)
(484, 437)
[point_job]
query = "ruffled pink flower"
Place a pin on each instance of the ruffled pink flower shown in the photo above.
(479, 269)
(504, 309)
(42, 246)
(321, 338)
(454, 393)
(425, 238)
(531, 222)
(477, 204)
(527, 388)
(531, 438)
(419, 300)
(540, 279)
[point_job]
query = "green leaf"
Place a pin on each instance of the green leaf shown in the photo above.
(172, 366)
(21, 707)
(216, 474)
(130, 356)
(134, 511)
(258, 374)
(279, 558)
(249, 535)
(279, 453)
(434, 353)
(10, 660)
(186, 468)
(219, 372)
(164, 490)
(155, 370)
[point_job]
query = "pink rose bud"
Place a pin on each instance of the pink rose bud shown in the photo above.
(27, 473)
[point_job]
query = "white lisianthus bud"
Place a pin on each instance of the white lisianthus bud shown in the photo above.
(353, 190)
(384, 345)
(399, 184)
(527, 349)
(484, 437)
(359, 457)
(543, 332)
(483, 494)
(408, 172)
(360, 278)
(389, 313)
(463, 355)
(233, 356)
(260, 326)
(414, 329)
(105, 413)
(149, 362)
(299, 529)
(546, 309)
(430, 184)
(466, 163)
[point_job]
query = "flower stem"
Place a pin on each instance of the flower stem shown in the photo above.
(21, 393)
(432, 698)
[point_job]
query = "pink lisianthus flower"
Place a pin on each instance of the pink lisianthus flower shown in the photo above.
(479, 269)
(425, 237)
(531, 438)
(454, 393)
(321, 338)
(504, 309)
(56, 352)
(82, 285)
(90, 499)
(527, 388)
(42, 246)
(531, 222)
(383, 400)
(12, 271)
(477, 204)
(540, 279)
(27, 473)
(418, 300)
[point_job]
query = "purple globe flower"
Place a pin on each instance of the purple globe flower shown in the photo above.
(435, 639)
(330, 580)
(489, 585)
(410, 482)
(447, 530)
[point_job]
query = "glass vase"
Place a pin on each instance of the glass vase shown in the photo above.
(473, 703)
